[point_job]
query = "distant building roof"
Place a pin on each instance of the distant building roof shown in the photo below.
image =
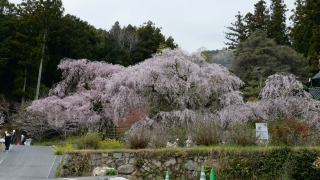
(315, 92)
(317, 76)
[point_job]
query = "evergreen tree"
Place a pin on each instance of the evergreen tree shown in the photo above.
(150, 40)
(48, 15)
(314, 49)
(245, 26)
(101, 44)
(24, 41)
(259, 20)
(79, 39)
(259, 57)
(123, 43)
(237, 32)
(129, 45)
(73, 38)
(170, 43)
(313, 17)
(277, 28)
(299, 31)
(305, 31)
(7, 16)
(36, 21)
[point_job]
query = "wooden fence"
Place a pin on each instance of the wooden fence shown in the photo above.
(117, 132)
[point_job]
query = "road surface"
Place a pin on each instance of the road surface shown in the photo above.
(34, 163)
(27, 162)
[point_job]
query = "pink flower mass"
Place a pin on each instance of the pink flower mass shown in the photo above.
(174, 87)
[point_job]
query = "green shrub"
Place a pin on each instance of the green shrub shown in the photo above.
(274, 163)
(89, 141)
(111, 172)
(59, 150)
(111, 144)
(138, 162)
(239, 168)
(302, 165)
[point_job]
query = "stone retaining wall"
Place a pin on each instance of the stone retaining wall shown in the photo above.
(185, 163)
(140, 164)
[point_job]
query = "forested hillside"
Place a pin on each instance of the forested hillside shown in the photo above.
(35, 35)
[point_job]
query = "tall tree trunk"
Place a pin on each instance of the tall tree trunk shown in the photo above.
(40, 67)
(24, 86)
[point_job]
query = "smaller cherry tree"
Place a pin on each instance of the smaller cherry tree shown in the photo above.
(32, 124)
(6, 110)
(283, 85)
(282, 99)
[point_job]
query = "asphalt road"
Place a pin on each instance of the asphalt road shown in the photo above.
(27, 162)
(34, 163)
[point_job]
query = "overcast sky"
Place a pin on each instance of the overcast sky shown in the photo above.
(192, 23)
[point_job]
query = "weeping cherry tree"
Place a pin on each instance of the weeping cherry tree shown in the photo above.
(173, 87)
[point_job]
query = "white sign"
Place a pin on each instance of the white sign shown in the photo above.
(262, 131)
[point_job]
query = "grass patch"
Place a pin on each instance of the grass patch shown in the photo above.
(48, 142)
(111, 144)
(58, 170)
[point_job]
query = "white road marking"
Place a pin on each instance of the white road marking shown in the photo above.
(51, 166)
(1, 161)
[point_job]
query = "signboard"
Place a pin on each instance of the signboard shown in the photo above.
(262, 131)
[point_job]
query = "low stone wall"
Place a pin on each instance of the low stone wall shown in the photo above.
(185, 163)
(140, 164)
